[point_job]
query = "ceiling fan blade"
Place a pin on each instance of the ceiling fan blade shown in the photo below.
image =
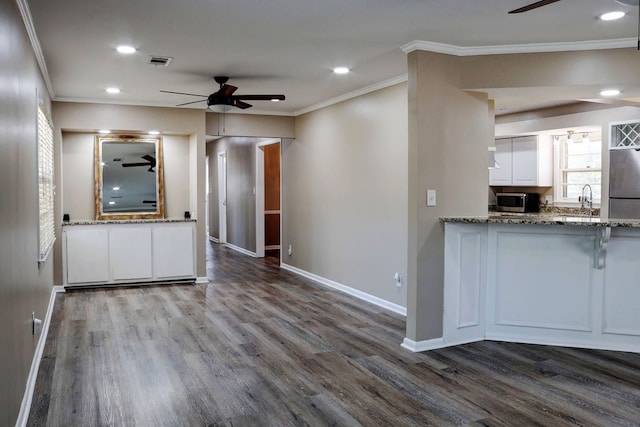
(192, 102)
(131, 165)
(183, 93)
(227, 90)
(148, 201)
(240, 104)
(259, 97)
(148, 157)
(533, 6)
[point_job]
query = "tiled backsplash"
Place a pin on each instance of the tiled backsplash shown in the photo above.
(555, 210)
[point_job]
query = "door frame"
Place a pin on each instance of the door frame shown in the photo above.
(222, 196)
(207, 187)
(259, 192)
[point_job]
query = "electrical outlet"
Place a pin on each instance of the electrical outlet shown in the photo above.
(36, 324)
(397, 278)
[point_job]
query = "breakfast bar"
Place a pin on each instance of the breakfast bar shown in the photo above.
(557, 280)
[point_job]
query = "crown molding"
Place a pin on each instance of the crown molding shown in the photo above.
(354, 94)
(257, 112)
(25, 12)
(517, 48)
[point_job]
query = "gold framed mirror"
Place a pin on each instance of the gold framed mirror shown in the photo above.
(129, 177)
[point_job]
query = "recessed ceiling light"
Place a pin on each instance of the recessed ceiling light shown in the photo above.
(113, 90)
(612, 16)
(112, 203)
(126, 50)
(610, 92)
(116, 188)
(154, 132)
(104, 131)
(341, 70)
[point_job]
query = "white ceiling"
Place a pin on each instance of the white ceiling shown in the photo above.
(286, 46)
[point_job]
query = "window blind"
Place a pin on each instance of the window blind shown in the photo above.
(46, 185)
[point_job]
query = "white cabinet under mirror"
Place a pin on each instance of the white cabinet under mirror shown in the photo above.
(122, 253)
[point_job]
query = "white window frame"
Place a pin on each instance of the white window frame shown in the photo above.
(559, 155)
(46, 184)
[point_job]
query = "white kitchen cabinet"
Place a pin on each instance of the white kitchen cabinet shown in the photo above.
(503, 156)
(109, 253)
(524, 161)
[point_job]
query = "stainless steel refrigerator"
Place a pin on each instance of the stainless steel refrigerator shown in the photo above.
(624, 184)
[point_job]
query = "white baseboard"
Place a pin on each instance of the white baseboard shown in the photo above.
(418, 346)
(214, 239)
(241, 250)
(566, 342)
(25, 407)
(348, 290)
(201, 280)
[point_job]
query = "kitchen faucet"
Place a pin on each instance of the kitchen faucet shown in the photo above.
(589, 199)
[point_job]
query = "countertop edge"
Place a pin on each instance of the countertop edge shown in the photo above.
(126, 221)
(543, 220)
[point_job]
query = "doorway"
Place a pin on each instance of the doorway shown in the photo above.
(268, 199)
(222, 195)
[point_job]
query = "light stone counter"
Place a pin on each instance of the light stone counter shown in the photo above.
(533, 219)
(126, 221)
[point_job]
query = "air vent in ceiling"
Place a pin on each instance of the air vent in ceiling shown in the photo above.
(159, 60)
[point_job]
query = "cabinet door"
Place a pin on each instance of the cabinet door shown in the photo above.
(525, 160)
(502, 176)
(173, 252)
(86, 255)
(130, 253)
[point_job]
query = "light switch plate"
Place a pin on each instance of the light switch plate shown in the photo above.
(431, 197)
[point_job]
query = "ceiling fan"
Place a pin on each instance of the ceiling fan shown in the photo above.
(223, 99)
(541, 3)
(150, 161)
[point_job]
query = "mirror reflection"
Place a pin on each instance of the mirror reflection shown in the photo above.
(129, 177)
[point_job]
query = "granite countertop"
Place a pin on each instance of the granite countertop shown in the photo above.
(543, 219)
(125, 221)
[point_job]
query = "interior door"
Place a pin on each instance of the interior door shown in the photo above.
(272, 198)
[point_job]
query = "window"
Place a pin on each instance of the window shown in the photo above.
(580, 163)
(46, 186)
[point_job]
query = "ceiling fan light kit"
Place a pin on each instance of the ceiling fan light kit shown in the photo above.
(219, 108)
(224, 99)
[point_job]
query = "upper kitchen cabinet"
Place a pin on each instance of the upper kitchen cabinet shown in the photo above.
(524, 161)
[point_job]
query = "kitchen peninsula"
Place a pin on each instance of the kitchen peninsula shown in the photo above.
(557, 280)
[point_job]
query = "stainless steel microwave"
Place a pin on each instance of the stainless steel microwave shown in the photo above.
(518, 202)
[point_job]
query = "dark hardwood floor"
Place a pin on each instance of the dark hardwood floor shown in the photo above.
(262, 347)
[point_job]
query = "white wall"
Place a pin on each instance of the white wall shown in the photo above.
(344, 198)
(25, 285)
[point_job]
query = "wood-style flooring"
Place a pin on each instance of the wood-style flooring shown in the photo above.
(258, 346)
